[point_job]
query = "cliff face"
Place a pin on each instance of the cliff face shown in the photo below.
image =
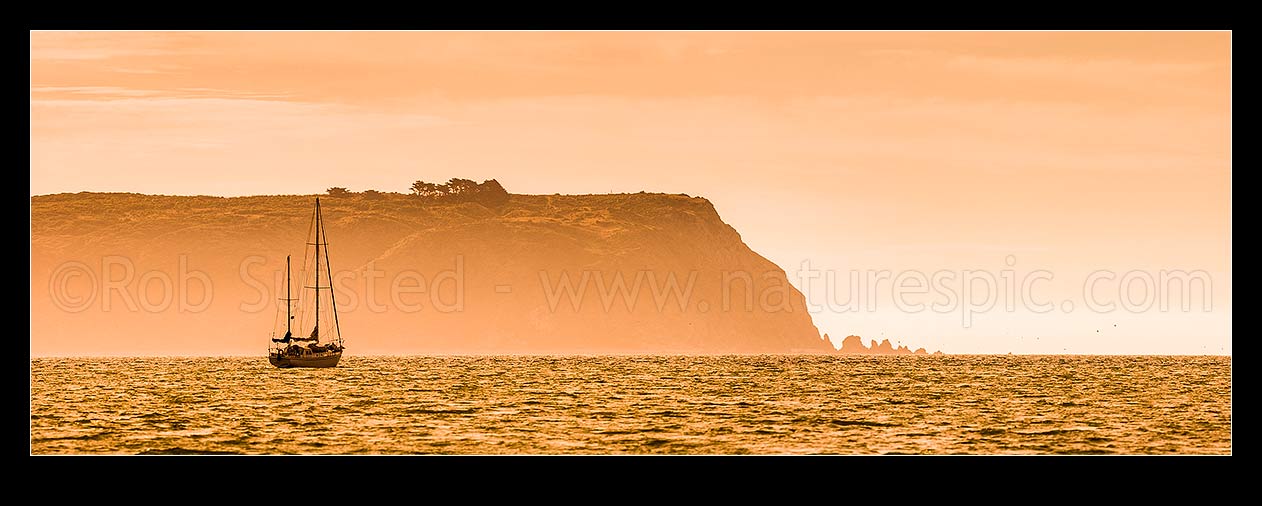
(630, 273)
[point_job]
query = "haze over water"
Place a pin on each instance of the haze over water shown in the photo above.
(635, 405)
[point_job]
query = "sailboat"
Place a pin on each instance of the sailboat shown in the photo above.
(321, 350)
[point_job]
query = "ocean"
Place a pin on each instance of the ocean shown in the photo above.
(635, 405)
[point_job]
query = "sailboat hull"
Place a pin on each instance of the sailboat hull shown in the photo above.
(326, 359)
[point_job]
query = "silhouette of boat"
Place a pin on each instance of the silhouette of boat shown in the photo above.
(286, 352)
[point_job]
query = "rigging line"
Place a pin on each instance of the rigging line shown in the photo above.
(276, 316)
(332, 298)
(288, 300)
(302, 302)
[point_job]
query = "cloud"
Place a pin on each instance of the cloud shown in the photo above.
(115, 92)
(107, 91)
(125, 70)
(1077, 67)
(148, 114)
(86, 46)
(91, 53)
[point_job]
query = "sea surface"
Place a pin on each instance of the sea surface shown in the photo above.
(635, 405)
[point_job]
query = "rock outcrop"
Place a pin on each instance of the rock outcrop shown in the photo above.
(853, 345)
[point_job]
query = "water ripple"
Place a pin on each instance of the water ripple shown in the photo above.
(632, 405)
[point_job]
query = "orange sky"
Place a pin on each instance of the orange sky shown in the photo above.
(862, 151)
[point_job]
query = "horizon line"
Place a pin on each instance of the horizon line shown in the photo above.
(944, 354)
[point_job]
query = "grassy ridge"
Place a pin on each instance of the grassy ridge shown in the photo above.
(523, 242)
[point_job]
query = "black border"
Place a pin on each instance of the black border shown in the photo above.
(833, 477)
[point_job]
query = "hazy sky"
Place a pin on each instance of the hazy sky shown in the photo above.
(938, 152)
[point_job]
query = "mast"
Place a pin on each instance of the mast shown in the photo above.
(317, 267)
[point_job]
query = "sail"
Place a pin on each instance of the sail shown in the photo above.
(315, 335)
